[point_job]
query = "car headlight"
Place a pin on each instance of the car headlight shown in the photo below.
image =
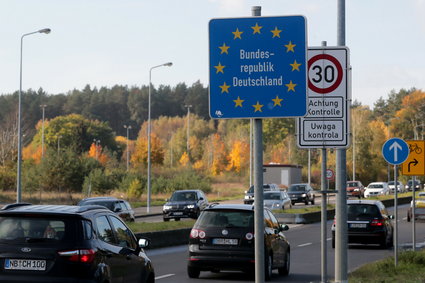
(303, 195)
(166, 207)
(190, 206)
(356, 190)
(246, 197)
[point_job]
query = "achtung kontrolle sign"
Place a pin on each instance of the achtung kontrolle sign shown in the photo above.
(258, 67)
(327, 122)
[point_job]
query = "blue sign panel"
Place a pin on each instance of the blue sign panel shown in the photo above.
(258, 67)
(395, 151)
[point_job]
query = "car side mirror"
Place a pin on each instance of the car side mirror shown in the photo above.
(117, 209)
(201, 198)
(283, 227)
(143, 243)
(245, 192)
(391, 216)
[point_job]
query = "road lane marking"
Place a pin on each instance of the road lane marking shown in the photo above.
(306, 244)
(164, 276)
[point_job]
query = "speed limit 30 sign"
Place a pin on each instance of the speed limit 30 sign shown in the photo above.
(326, 124)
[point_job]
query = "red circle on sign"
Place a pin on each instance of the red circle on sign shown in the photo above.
(338, 78)
(329, 174)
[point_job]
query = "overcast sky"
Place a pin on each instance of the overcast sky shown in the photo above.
(108, 42)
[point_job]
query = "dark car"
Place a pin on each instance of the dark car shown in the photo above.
(368, 223)
(184, 204)
(249, 195)
(301, 193)
(223, 239)
(355, 189)
(61, 243)
(119, 206)
(409, 185)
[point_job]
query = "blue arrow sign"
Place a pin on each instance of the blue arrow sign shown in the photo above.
(258, 67)
(395, 151)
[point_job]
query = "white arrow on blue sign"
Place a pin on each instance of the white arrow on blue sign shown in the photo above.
(395, 151)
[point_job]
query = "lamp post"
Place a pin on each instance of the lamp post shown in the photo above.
(43, 106)
(18, 177)
(169, 64)
(128, 152)
(96, 145)
(188, 124)
(59, 143)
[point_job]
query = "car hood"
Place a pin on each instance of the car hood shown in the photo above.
(374, 189)
(271, 202)
(180, 203)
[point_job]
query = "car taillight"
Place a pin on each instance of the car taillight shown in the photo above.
(85, 256)
(377, 222)
(196, 233)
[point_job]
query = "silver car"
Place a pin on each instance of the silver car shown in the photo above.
(274, 200)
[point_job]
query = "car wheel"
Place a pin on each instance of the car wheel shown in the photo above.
(306, 201)
(285, 269)
(333, 242)
(384, 243)
(193, 272)
(293, 202)
(408, 217)
(166, 219)
(269, 267)
(312, 201)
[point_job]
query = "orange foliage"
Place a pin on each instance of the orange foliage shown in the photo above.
(140, 155)
(184, 160)
(237, 156)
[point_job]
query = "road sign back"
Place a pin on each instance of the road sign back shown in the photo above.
(415, 162)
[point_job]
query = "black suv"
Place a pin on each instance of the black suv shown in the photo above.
(184, 204)
(223, 239)
(301, 193)
(61, 243)
(368, 223)
(119, 206)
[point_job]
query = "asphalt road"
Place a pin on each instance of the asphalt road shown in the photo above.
(170, 263)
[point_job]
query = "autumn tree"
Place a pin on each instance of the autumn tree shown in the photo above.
(140, 155)
(238, 157)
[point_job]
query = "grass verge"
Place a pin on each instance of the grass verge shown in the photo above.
(410, 268)
(140, 227)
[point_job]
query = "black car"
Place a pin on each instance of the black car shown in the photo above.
(368, 223)
(301, 193)
(223, 239)
(61, 243)
(184, 204)
(119, 206)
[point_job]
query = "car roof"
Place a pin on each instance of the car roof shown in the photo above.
(186, 191)
(303, 184)
(49, 209)
(216, 206)
(377, 183)
(100, 198)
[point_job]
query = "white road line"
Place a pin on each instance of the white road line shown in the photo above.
(164, 276)
(303, 245)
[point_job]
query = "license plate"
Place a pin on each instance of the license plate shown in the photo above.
(24, 264)
(358, 225)
(221, 241)
(294, 198)
(178, 213)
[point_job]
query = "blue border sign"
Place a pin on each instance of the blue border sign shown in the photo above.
(258, 67)
(395, 151)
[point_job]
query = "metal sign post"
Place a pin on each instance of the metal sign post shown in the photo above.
(395, 151)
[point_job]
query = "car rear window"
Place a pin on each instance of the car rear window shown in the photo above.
(36, 228)
(272, 196)
(362, 211)
(225, 218)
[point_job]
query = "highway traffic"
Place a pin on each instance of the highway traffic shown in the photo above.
(171, 263)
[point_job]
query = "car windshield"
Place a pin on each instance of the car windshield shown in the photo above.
(225, 218)
(391, 183)
(183, 196)
(352, 184)
(273, 196)
(296, 188)
(356, 211)
(376, 186)
(35, 229)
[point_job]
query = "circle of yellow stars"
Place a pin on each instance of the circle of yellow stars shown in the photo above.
(256, 29)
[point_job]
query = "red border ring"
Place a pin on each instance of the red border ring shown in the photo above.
(338, 79)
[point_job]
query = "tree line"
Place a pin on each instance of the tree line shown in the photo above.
(84, 146)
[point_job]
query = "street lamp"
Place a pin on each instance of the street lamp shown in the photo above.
(18, 177)
(169, 64)
(128, 152)
(188, 124)
(43, 106)
(96, 145)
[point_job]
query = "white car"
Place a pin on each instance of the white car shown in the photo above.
(376, 189)
(400, 186)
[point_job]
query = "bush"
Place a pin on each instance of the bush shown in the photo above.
(180, 180)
